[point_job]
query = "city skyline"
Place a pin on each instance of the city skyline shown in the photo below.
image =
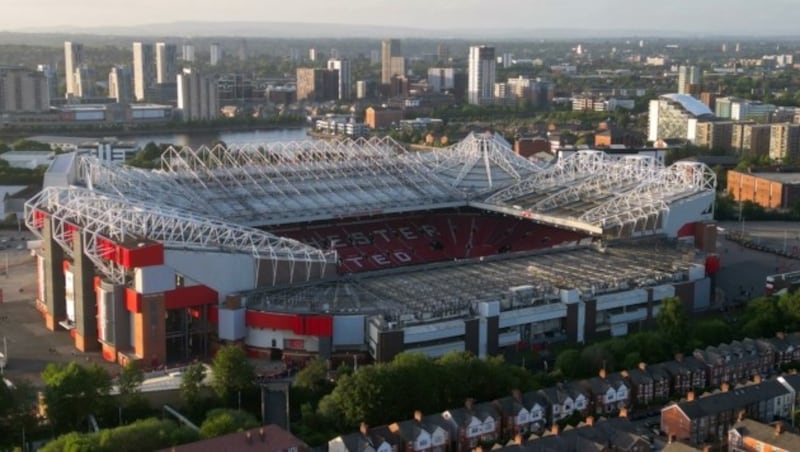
(743, 17)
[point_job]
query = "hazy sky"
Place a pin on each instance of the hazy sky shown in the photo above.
(700, 16)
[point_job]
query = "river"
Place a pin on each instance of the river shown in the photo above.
(204, 138)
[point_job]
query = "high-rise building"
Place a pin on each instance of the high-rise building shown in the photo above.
(481, 77)
(675, 116)
(312, 54)
(442, 52)
(215, 54)
(690, 79)
(144, 69)
(751, 139)
(392, 61)
(317, 84)
(120, 84)
(166, 62)
(197, 96)
(23, 91)
(187, 53)
(343, 68)
(361, 89)
(784, 142)
(84, 81)
(507, 60)
(49, 73)
(714, 134)
(73, 58)
(440, 79)
(241, 50)
(374, 57)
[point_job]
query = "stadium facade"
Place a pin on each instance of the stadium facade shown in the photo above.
(358, 246)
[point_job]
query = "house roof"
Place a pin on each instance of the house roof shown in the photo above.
(640, 377)
(733, 399)
(355, 442)
(767, 434)
(267, 438)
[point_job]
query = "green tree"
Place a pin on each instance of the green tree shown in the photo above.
(232, 372)
(130, 380)
(191, 383)
(222, 421)
(145, 434)
(673, 323)
(16, 412)
(569, 363)
(72, 392)
(313, 377)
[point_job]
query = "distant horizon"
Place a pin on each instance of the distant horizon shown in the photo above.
(465, 18)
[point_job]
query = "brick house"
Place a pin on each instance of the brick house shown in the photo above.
(686, 374)
(514, 414)
(473, 424)
(609, 393)
(750, 436)
(563, 400)
(422, 434)
(697, 420)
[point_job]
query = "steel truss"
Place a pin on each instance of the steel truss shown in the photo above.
(282, 182)
(642, 207)
(102, 218)
(480, 163)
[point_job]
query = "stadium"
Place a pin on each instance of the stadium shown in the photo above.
(361, 248)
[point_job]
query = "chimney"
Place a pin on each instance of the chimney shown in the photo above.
(757, 379)
(602, 373)
(623, 412)
(778, 428)
(519, 439)
(725, 387)
(643, 366)
(364, 428)
(690, 396)
(261, 434)
(418, 416)
(468, 404)
(516, 394)
(554, 429)
(590, 421)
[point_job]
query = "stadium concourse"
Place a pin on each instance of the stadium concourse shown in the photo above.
(342, 247)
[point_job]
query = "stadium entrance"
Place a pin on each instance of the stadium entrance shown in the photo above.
(187, 331)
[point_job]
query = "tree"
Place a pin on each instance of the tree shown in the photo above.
(73, 392)
(222, 421)
(569, 363)
(191, 382)
(313, 377)
(16, 412)
(673, 323)
(232, 371)
(130, 380)
(145, 434)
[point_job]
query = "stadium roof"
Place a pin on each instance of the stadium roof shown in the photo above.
(690, 104)
(231, 188)
(124, 220)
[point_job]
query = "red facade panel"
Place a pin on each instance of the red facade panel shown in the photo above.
(70, 230)
(106, 249)
(133, 301)
(184, 297)
(213, 314)
(39, 218)
(142, 256)
(318, 325)
(286, 322)
(686, 230)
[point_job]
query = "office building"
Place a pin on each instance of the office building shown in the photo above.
(312, 54)
(739, 109)
(690, 79)
(198, 99)
(392, 61)
(317, 85)
(84, 82)
(440, 79)
(675, 116)
(120, 84)
(73, 58)
(144, 69)
(374, 57)
(442, 52)
(23, 91)
(241, 50)
(166, 62)
(361, 89)
(187, 53)
(343, 69)
(49, 73)
(481, 76)
(784, 142)
(215, 54)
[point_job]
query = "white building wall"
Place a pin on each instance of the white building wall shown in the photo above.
(687, 211)
(224, 272)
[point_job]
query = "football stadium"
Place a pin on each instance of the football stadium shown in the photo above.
(362, 248)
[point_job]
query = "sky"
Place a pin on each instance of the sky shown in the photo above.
(741, 17)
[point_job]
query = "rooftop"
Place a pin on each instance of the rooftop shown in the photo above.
(690, 104)
(267, 438)
(784, 178)
(768, 434)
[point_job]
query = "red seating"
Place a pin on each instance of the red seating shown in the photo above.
(393, 241)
